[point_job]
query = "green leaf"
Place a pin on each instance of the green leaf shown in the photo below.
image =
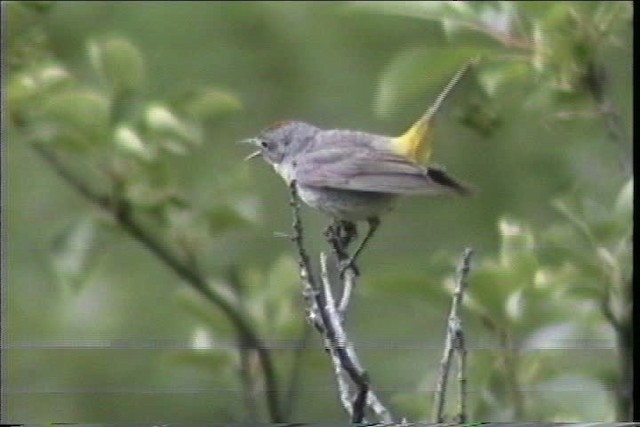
(539, 10)
(430, 10)
(73, 253)
(119, 62)
(535, 308)
(623, 207)
(225, 218)
(128, 141)
(571, 281)
(161, 119)
(124, 107)
(84, 109)
(209, 103)
(494, 75)
(481, 116)
(25, 41)
(415, 71)
(169, 131)
(574, 219)
(78, 118)
(273, 305)
(497, 18)
(33, 85)
(517, 250)
(490, 287)
(148, 196)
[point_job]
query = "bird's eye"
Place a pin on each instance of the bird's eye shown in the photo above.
(264, 144)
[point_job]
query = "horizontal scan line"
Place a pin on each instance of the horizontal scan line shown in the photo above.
(119, 344)
(323, 389)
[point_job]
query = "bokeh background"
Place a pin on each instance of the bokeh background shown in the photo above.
(97, 329)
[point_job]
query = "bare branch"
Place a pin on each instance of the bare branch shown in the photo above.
(309, 288)
(124, 215)
(341, 349)
(339, 234)
(462, 377)
(454, 342)
(348, 284)
(324, 315)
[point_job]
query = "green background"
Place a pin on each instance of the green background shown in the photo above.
(116, 348)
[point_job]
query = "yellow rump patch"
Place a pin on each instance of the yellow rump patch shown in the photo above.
(416, 143)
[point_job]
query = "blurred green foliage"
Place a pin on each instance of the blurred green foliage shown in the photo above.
(144, 101)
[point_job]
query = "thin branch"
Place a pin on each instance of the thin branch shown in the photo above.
(441, 386)
(595, 81)
(124, 216)
(246, 379)
(244, 351)
(338, 237)
(309, 287)
(346, 359)
(341, 349)
(623, 329)
(462, 377)
(296, 371)
(348, 284)
(323, 314)
(454, 342)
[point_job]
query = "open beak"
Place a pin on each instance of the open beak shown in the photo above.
(253, 155)
(254, 142)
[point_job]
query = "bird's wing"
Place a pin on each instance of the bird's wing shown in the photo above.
(369, 169)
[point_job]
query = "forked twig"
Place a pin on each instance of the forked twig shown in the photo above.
(325, 316)
(454, 343)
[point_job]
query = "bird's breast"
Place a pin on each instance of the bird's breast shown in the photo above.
(348, 205)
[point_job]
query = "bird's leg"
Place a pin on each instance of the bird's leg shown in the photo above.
(339, 234)
(346, 232)
(373, 222)
(331, 233)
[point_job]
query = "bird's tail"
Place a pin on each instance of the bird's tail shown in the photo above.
(417, 142)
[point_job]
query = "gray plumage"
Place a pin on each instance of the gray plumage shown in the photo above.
(348, 174)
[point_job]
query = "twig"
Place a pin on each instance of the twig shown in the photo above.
(296, 370)
(323, 314)
(244, 350)
(341, 349)
(246, 379)
(623, 329)
(348, 284)
(338, 236)
(124, 216)
(595, 80)
(309, 287)
(454, 342)
(462, 377)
